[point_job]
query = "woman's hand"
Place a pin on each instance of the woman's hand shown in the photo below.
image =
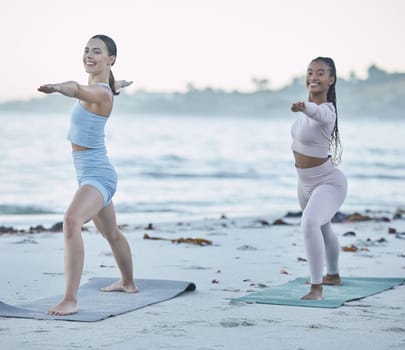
(298, 107)
(119, 84)
(48, 88)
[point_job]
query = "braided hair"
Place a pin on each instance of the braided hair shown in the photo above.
(335, 147)
(112, 51)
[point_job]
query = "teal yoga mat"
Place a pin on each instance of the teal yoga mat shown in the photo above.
(353, 288)
(95, 305)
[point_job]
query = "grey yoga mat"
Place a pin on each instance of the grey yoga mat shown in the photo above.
(95, 305)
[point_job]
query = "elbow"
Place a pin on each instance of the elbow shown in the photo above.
(75, 89)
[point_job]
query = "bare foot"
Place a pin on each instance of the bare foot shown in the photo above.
(120, 287)
(315, 293)
(65, 307)
(332, 280)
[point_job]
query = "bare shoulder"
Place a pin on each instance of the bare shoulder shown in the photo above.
(97, 98)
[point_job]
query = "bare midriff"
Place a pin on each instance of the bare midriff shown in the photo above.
(302, 161)
(79, 148)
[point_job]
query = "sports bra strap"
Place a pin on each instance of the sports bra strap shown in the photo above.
(105, 84)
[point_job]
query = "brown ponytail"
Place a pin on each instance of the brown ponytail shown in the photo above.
(112, 51)
(111, 82)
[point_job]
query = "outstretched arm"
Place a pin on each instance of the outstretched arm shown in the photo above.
(91, 94)
(323, 113)
(68, 88)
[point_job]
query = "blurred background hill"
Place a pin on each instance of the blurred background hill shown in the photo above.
(381, 95)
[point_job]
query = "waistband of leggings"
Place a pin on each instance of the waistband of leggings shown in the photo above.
(90, 151)
(324, 168)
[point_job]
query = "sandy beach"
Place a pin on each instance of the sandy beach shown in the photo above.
(246, 254)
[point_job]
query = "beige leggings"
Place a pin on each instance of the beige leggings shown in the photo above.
(321, 192)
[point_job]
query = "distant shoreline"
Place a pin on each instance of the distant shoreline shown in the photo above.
(289, 218)
(378, 96)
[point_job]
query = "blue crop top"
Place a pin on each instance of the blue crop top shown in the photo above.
(312, 131)
(87, 128)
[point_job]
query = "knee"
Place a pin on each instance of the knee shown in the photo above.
(113, 236)
(71, 225)
(309, 225)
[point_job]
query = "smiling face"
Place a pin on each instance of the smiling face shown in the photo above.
(319, 79)
(96, 58)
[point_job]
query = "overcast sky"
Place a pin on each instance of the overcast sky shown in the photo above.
(165, 44)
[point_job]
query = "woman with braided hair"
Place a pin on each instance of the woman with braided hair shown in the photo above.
(321, 186)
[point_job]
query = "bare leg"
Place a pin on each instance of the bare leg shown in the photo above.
(86, 203)
(105, 222)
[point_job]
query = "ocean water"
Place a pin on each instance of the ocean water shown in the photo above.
(177, 168)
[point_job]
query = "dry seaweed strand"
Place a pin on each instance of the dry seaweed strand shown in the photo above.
(196, 241)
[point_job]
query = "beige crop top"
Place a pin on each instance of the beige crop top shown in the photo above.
(311, 132)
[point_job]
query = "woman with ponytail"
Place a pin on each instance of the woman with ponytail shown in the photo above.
(321, 186)
(96, 177)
